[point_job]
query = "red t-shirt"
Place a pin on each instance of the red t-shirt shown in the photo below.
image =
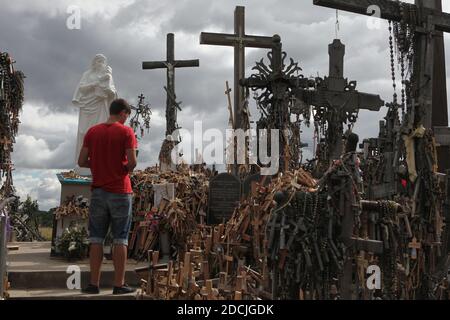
(107, 145)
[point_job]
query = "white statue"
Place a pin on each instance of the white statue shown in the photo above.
(94, 94)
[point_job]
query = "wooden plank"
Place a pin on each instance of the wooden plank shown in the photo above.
(373, 246)
(442, 136)
(149, 65)
(390, 10)
(224, 39)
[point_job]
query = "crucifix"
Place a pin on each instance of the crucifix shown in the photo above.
(239, 40)
(429, 90)
(338, 100)
(170, 64)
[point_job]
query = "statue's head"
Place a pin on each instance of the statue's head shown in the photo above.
(99, 62)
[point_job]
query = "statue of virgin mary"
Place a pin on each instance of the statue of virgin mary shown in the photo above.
(94, 94)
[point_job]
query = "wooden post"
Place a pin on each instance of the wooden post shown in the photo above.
(239, 40)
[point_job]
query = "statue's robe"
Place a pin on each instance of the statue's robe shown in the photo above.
(93, 104)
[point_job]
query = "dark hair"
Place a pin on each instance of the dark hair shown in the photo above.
(119, 105)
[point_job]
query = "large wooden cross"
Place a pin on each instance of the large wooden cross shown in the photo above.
(430, 93)
(170, 64)
(239, 40)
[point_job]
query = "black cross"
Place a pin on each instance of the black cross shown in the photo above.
(339, 97)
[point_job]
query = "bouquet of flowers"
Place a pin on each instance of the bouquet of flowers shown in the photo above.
(74, 243)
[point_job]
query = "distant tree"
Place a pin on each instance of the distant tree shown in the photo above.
(45, 218)
(25, 221)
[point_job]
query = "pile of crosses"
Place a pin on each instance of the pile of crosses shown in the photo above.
(167, 207)
(74, 212)
(73, 175)
(73, 207)
(294, 238)
(11, 101)
(225, 261)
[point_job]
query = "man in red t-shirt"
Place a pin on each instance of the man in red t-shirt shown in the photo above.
(109, 150)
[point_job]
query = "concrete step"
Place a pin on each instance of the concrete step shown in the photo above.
(32, 267)
(28, 280)
(65, 294)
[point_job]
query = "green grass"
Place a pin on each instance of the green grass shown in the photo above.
(46, 232)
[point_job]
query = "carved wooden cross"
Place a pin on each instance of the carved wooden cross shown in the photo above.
(239, 40)
(170, 64)
(430, 82)
(6, 143)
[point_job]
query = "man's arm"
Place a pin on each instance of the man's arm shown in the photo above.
(132, 161)
(83, 160)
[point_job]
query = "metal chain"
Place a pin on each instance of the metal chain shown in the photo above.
(392, 56)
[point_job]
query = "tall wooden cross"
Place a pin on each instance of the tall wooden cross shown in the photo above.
(170, 64)
(239, 40)
(430, 82)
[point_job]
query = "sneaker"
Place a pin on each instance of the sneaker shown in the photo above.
(123, 289)
(91, 289)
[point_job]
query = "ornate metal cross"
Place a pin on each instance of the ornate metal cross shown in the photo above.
(277, 83)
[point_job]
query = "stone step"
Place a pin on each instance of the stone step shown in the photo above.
(32, 267)
(29, 280)
(65, 294)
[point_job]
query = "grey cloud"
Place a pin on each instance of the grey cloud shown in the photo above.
(54, 58)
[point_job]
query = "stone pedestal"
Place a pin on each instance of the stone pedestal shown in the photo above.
(69, 187)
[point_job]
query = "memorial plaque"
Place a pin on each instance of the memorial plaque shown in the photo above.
(250, 183)
(224, 195)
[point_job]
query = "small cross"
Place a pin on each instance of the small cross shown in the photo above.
(414, 245)
(5, 142)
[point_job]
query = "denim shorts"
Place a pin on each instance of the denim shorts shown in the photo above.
(109, 208)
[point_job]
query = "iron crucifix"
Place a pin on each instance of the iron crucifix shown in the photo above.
(337, 99)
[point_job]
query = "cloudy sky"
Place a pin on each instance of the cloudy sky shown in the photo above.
(128, 32)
